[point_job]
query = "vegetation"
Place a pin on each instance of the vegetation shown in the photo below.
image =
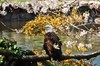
(58, 20)
(38, 25)
(61, 24)
(6, 44)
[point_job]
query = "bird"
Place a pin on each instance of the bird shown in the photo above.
(52, 45)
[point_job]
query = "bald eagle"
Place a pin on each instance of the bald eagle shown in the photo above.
(52, 45)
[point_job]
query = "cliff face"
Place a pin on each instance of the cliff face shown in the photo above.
(15, 19)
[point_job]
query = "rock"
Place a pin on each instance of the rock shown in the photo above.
(97, 21)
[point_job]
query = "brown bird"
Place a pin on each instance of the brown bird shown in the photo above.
(52, 45)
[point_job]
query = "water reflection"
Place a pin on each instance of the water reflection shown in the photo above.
(23, 40)
(96, 62)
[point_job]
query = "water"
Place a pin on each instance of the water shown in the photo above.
(36, 42)
(27, 42)
(97, 61)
